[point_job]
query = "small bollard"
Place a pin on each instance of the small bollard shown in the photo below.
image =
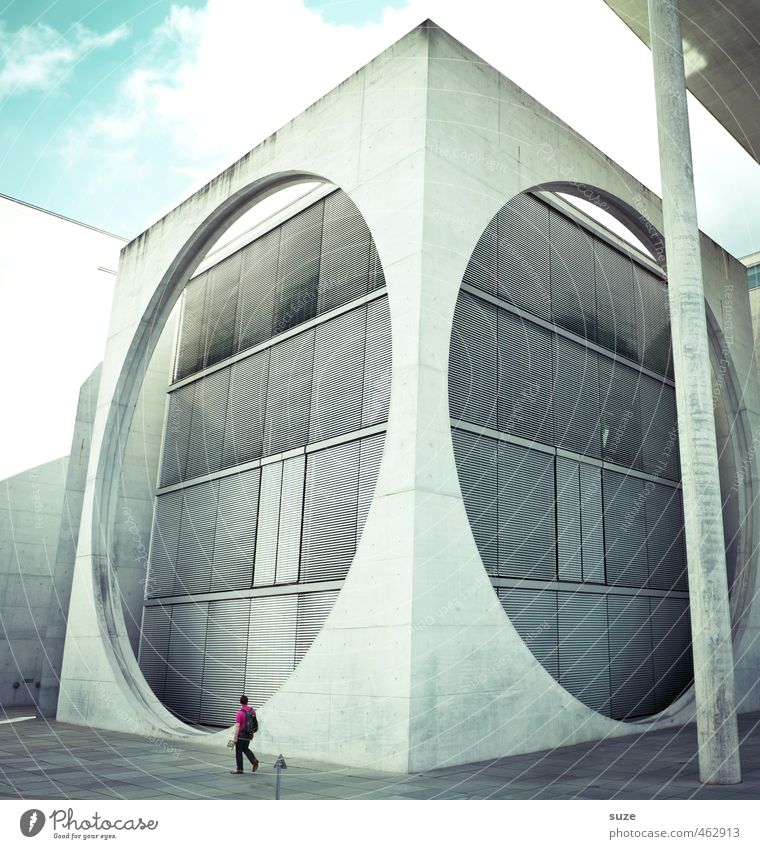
(279, 765)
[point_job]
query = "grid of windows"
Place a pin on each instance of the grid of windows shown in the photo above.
(273, 438)
(565, 439)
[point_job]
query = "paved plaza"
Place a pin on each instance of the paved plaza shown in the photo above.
(44, 760)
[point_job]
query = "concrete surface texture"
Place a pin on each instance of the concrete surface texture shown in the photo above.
(417, 665)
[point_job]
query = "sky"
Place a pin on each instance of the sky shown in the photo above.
(112, 112)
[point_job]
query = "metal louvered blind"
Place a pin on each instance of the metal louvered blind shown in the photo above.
(235, 536)
(177, 435)
(154, 647)
(271, 646)
(330, 509)
(313, 609)
(221, 310)
(472, 362)
(195, 552)
(291, 514)
(569, 548)
(481, 269)
(258, 285)
(534, 615)
(523, 255)
(336, 393)
(652, 321)
(298, 269)
(184, 672)
(376, 273)
(344, 269)
(592, 524)
(573, 295)
(206, 440)
(631, 672)
(620, 413)
(224, 660)
(660, 429)
(584, 664)
(615, 307)
(244, 430)
(370, 456)
(666, 549)
(576, 398)
(671, 646)
(286, 424)
(164, 544)
(192, 328)
(625, 530)
(268, 528)
(376, 389)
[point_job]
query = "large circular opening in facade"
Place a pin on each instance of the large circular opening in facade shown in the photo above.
(277, 362)
(564, 429)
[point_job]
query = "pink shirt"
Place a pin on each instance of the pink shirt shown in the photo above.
(240, 716)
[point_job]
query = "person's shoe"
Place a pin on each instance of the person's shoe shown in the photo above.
(254, 765)
(236, 771)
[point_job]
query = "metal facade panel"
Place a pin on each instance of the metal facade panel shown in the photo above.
(286, 424)
(268, 525)
(164, 543)
(652, 321)
(298, 268)
(376, 389)
(527, 529)
(244, 430)
(224, 661)
(336, 392)
(376, 273)
(666, 548)
(592, 524)
(154, 647)
(370, 456)
(184, 672)
(625, 530)
(577, 425)
(476, 461)
(620, 413)
(571, 258)
(204, 450)
(192, 325)
(631, 671)
(291, 518)
(523, 255)
(258, 286)
(235, 537)
(671, 644)
(271, 646)
(195, 553)
(660, 428)
(221, 310)
(345, 255)
(569, 549)
(534, 615)
(313, 609)
(481, 269)
(615, 302)
(525, 379)
(584, 661)
(177, 434)
(472, 362)
(330, 510)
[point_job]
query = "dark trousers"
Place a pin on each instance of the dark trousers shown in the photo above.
(241, 747)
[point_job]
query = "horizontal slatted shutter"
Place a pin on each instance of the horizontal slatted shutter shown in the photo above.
(523, 255)
(177, 436)
(164, 542)
(572, 276)
(476, 460)
(631, 672)
(286, 424)
(671, 644)
(192, 328)
(592, 524)
(336, 394)
(481, 269)
(660, 429)
(313, 609)
(569, 551)
(195, 554)
(666, 549)
(271, 646)
(330, 509)
(268, 525)
(224, 661)
(221, 310)
(376, 273)
(154, 646)
(244, 430)
(291, 515)
(204, 451)
(525, 379)
(615, 307)
(376, 390)
(235, 536)
(345, 256)
(625, 530)
(371, 453)
(298, 269)
(184, 673)
(534, 615)
(258, 287)
(584, 661)
(652, 321)
(472, 362)
(620, 413)
(527, 529)
(576, 398)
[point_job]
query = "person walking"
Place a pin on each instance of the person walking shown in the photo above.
(245, 726)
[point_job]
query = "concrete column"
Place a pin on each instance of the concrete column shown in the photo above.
(708, 587)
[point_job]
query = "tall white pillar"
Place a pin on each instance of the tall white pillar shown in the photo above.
(708, 585)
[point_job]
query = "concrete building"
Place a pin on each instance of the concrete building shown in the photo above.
(418, 487)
